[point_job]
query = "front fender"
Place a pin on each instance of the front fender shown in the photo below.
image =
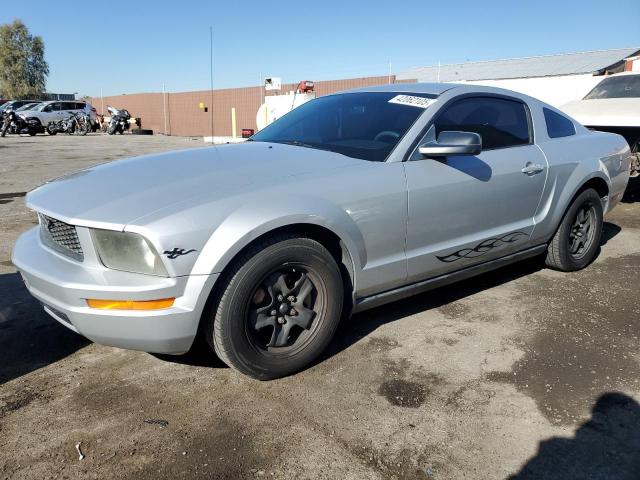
(255, 218)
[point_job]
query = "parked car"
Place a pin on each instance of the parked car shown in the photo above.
(15, 124)
(12, 105)
(15, 104)
(349, 201)
(53, 111)
(613, 106)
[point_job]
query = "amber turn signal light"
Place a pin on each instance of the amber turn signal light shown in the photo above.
(131, 304)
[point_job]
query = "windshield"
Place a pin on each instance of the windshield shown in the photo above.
(361, 125)
(623, 86)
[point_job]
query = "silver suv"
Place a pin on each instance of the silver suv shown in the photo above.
(56, 110)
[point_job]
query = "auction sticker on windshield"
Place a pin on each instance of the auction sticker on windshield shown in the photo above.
(413, 101)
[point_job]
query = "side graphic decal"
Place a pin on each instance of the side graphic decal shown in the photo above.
(176, 252)
(482, 248)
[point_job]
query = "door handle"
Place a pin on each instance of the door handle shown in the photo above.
(532, 168)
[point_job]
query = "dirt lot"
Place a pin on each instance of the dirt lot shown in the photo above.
(521, 373)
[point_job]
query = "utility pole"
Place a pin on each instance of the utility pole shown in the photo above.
(164, 108)
(211, 72)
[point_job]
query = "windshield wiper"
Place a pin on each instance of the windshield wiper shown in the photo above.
(298, 143)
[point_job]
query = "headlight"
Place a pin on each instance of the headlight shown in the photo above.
(129, 252)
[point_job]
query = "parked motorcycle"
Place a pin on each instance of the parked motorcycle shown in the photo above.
(119, 122)
(14, 123)
(78, 123)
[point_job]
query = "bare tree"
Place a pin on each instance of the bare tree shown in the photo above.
(23, 69)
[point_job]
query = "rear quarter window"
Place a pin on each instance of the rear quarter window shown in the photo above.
(558, 126)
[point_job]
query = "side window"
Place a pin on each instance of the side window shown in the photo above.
(79, 106)
(68, 106)
(501, 123)
(558, 125)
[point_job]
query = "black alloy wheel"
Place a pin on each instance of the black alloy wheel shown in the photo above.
(278, 307)
(577, 240)
(283, 308)
(582, 233)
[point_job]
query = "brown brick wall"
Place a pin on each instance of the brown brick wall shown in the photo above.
(185, 118)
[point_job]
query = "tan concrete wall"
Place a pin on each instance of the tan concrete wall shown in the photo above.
(185, 118)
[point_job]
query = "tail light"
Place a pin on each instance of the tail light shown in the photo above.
(93, 109)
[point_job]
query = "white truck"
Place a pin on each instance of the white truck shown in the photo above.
(613, 106)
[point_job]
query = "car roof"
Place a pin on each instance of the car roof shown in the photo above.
(428, 88)
(438, 89)
(47, 102)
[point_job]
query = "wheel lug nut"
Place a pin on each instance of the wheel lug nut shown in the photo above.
(281, 320)
(291, 298)
(280, 298)
(273, 313)
(293, 312)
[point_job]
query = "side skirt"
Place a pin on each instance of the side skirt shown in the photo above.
(399, 293)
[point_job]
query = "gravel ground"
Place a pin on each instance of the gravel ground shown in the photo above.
(520, 373)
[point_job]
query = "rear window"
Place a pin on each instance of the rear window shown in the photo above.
(558, 125)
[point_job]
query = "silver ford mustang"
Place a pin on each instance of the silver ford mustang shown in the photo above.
(348, 202)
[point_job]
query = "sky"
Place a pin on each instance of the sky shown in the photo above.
(137, 46)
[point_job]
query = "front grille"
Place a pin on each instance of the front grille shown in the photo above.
(60, 237)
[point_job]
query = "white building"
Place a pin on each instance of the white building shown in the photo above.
(555, 79)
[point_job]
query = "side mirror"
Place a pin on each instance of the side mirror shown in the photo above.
(452, 143)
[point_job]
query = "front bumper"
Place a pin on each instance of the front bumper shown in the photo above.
(63, 285)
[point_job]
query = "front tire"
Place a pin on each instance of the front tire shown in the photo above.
(279, 308)
(577, 240)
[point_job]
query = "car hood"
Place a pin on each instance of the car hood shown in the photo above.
(114, 194)
(605, 112)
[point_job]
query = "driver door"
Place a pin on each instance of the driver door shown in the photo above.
(465, 210)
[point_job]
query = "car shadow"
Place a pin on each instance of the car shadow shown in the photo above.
(609, 230)
(29, 338)
(632, 193)
(607, 446)
(470, 165)
(200, 355)
(363, 324)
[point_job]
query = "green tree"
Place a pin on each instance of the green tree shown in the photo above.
(23, 69)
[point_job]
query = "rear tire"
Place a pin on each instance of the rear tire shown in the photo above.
(279, 308)
(577, 240)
